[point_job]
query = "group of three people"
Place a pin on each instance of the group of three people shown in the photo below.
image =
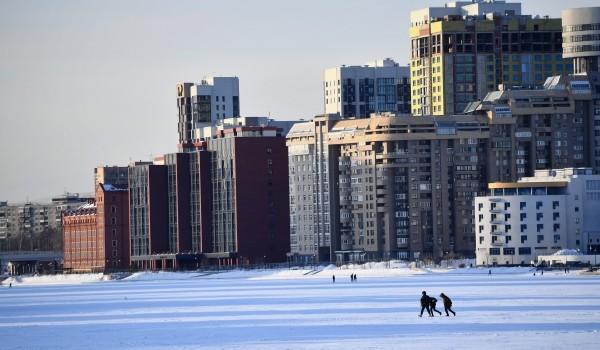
(428, 303)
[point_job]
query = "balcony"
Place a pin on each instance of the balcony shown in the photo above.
(497, 232)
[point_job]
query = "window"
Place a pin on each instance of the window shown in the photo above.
(494, 251)
(523, 238)
(508, 251)
(525, 251)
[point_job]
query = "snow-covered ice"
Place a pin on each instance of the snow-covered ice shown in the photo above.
(302, 309)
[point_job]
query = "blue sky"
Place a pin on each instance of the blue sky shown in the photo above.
(91, 83)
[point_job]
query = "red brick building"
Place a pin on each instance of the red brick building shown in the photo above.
(83, 249)
(112, 203)
(96, 235)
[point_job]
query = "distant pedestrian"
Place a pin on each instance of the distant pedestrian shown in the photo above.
(447, 304)
(425, 304)
(542, 272)
(490, 272)
(354, 277)
(333, 277)
(432, 303)
(10, 285)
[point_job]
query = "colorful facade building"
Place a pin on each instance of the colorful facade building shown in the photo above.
(464, 50)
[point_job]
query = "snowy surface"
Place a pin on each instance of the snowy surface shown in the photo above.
(303, 309)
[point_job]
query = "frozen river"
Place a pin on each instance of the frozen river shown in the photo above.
(291, 310)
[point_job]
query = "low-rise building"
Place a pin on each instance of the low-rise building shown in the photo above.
(96, 235)
(554, 210)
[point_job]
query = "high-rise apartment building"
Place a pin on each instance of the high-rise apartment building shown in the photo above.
(581, 38)
(313, 191)
(250, 212)
(405, 187)
(222, 201)
(204, 104)
(357, 91)
(464, 50)
(555, 127)
(385, 187)
(170, 211)
(149, 217)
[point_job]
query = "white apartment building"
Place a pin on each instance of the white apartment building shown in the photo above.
(31, 226)
(581, 38)
(538, 216)
(358, 91)
(204, 104)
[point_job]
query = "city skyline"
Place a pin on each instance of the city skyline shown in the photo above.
(93, 84)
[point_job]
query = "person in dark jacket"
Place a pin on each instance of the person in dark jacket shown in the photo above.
(447, 304)
(432, 303)
(425, 304)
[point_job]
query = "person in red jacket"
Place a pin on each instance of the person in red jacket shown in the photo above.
(447, 304)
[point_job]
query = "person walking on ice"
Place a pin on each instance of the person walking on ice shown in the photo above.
(432, 303)
(425, 304)
(447, 304)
